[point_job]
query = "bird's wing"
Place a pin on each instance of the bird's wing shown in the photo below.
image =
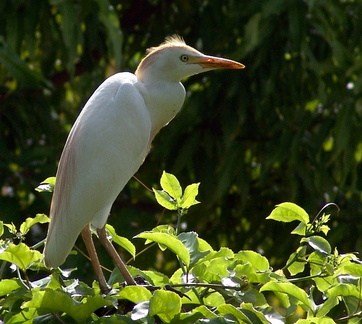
(106, 146)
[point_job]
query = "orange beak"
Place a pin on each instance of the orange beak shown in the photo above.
(211, 62)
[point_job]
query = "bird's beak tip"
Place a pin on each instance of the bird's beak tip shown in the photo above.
(211, 62)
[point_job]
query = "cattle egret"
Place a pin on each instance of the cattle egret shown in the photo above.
(110, 140)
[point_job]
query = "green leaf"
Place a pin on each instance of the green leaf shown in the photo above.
(354, 269)
(12, 228)
(26, 316)
(253, 315)
(316, 320)
(53, 301)
(227, 309)
(171, 185)
(165, 200)
(204, 246)
(319, 244)
(135, 294)
(47, 185)
(344, 290)
(288, 212)
(212, 270)
(205, 311)
(29, 222)
(300, 229)
(213, 300)
(170, 241)
(21, 255)
(224, 252)
(165, 304)
(190, 241)
(254, 266)
(8, 285)
(324, 308)
(290, 289)
(318, 265)
(297, 266)
(189, 196)
(156, 278)
(1, 228)
(121, 241)
(259, 262)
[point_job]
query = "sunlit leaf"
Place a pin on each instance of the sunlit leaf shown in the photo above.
(135, 294)
(171, 242)
(165, 200)
(344, 290)
(8, 285)
(297, 266)
(258, 261)
(300, 229)
(121, 241)
(171, 185)
(189, 196)
(288, 212)
(214, 299)
(27, 316)
(227, 309)
(290, 289)
(316, 320)
(11, 227)
(21, 255)
(47, 185)
(54, 301)
(324, 308)
(351, 268)
(29, 222)
(165, 304)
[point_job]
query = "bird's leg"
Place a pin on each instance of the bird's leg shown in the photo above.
(88, 241)
(115, 256)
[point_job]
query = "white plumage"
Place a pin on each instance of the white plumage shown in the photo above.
(111, 138)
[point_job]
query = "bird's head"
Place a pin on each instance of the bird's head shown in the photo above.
(173, 60)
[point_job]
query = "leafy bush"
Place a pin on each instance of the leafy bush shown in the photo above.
(317, 284)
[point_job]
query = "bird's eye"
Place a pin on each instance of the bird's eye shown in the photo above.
(184, 58)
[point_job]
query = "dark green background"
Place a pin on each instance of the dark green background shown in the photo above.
(287, 128)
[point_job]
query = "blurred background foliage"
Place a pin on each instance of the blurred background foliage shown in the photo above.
(287, 128)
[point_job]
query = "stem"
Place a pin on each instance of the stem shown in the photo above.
(2, 269)
(346, 318)
(323, 208)
(37, 245)
(307, 278)
(210, 286)
(180, 213)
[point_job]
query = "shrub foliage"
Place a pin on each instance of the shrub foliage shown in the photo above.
(316, 285)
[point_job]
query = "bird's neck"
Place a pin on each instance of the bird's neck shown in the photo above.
(164, 100)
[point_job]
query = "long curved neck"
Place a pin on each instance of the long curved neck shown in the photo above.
(164, 99)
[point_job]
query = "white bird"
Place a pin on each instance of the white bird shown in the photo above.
(110, 140)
